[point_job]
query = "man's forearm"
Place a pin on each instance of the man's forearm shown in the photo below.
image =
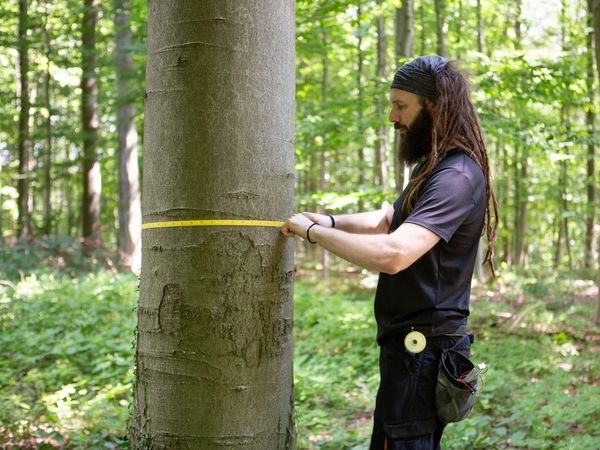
(374, 252)
(372, 222)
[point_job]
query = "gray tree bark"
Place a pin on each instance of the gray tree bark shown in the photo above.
(24, 221)
(405, 29)
(130, 213)
(214, 335)
(92, 181)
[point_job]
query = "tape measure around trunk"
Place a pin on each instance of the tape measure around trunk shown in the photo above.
(212, 223)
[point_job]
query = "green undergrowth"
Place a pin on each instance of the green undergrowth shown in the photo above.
(535, 334)
(66, 359)
(66, 350)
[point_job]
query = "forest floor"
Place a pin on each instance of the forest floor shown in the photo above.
(66, 352)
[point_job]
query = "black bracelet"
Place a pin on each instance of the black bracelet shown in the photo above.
(332, 220)
(308, 236)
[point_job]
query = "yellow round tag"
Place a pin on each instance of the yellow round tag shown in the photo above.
(415, 342)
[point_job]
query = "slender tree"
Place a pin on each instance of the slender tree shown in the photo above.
(405, 38)
(381, 167)
(130, 213)
(92, 181)
(24, 223)
(517, 25)
(441, 20)
(480, 31)
(590, 119)
(359, 86)
(47, 123)
(214, 354)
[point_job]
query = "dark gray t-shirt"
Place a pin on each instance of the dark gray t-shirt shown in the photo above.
(434, 291)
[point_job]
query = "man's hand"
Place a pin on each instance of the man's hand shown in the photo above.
(297, 225)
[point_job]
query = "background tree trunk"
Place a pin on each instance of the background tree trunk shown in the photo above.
(594, 6)
(441, 18)
(590, 116)
(24, 222)
(214, 350)
(48, 126)
(405, 38)
(130, 213)
(92, 181)
(381, 167)
(359, 86)
(480, 30)
(521, 194)
(517, 24)
(405, 29)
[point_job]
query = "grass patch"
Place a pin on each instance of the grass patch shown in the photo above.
(67, 363)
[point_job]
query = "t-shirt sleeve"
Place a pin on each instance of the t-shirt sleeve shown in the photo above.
(444, 204)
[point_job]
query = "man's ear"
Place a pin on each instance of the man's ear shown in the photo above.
(428, 105)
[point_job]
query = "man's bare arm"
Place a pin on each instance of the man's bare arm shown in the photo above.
(388, 253)
(372, 222)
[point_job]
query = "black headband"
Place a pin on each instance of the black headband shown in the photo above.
(418, 76)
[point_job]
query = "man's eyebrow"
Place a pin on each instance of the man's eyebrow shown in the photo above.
(397, 102)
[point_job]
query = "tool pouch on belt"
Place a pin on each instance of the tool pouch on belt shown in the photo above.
(454, 399)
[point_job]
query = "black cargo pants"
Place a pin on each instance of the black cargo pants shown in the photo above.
(405, 417)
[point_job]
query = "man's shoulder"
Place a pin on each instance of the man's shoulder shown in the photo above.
(457, 162)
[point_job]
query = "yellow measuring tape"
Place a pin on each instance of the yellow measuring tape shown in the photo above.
(212, 223)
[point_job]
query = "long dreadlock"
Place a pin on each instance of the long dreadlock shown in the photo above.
(456, 126)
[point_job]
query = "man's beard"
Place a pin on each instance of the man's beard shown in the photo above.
(416, 141)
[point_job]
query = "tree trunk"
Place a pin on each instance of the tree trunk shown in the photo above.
(441, 20)
(24, 223)
(92, 181)
(405, 29)
(130, 213)
(459, 29)
(480, 30)
(48, 126)
(359, 76)
(214, 335)
(590, 116)
(594, 6)
(518, 36)
(521, 204)
(381, 168)
(405, 37)
(324, 98)
(1, 208)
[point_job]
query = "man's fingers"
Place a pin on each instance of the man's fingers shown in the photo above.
(312, 216)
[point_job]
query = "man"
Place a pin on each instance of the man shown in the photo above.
(424, 246)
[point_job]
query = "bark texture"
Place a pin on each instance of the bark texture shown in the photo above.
(130, 213)
(214, 350)
(92, 181)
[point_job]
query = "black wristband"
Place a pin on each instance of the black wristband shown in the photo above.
(332, 220)
(308, 235)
